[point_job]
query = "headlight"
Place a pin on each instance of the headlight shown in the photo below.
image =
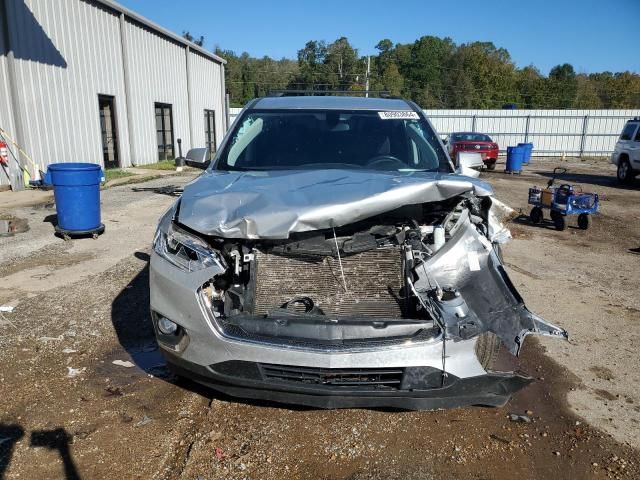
(182, 249)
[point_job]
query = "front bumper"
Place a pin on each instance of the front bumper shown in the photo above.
(247, 380)
(237, 367)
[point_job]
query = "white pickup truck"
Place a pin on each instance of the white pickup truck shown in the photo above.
(626, 155)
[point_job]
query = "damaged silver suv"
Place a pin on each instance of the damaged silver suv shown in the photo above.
(331, 256)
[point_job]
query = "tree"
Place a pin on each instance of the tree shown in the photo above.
(247, 77)
(198, 41)
(563, 85)
(310, 64)
(385, 57)
(425, 70)
(586, 93)
(392, 81)
(480, 76)
(342, 64)
(530, 85)
(335, 66)
(433, 71)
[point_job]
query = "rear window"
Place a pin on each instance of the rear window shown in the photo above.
(629, 130)
(472, 137)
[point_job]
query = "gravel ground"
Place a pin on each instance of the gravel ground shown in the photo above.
(69, 412)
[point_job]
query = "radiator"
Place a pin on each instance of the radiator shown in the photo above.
(373, 278)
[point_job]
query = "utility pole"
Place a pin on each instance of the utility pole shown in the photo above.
(366, 86)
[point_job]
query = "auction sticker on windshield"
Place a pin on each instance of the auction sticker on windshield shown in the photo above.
(401, 115)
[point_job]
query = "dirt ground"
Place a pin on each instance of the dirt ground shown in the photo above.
(67, 411)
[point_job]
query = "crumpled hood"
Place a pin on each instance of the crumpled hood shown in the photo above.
(271, 205)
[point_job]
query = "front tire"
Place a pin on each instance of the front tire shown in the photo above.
(536, 215)
(584, 221)
(559, 220)
(491, 165)
(487, 349)
(624, 173)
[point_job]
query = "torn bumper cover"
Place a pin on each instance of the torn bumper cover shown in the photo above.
(390, 291)
(418, 388)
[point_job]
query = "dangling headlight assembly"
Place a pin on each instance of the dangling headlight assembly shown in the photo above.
(183, 249)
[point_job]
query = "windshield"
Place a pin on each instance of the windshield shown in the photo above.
(318, 139)
(470, 137)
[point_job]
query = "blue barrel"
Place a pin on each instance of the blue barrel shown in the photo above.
(528, 148)
(515, 158)
(76, 187)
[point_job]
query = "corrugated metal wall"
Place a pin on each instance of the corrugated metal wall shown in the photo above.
(157, 69)
(208, 96)
(68, 52)
(6, 113)
(553, 132)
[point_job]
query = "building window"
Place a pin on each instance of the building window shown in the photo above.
(108, 130)
(164, 131)
(210, 131)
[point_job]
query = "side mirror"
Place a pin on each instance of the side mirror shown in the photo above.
(198, 158)
(469, 163)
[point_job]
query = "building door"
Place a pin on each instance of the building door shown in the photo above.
(210, 132)
(109, 133)
(164, 131)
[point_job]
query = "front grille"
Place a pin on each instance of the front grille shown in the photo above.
(374, 283)
(338, 378)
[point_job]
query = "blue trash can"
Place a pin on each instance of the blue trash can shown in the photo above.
(528, 149)
(515, 157)
(76, 187)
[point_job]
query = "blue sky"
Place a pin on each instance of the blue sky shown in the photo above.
(592, 35)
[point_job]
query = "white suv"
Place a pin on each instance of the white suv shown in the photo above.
(627, 152)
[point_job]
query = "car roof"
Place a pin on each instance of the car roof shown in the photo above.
(331, 103)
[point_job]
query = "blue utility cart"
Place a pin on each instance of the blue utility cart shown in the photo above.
(562, 201)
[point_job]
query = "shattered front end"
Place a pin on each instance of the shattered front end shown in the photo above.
(401, 304)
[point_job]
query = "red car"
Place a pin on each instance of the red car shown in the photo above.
(473, 142)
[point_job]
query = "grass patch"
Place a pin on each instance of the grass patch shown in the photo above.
(113, 173)
(162, 165)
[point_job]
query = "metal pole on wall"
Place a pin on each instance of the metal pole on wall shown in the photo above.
(16, 174)
(526, 129)
(583, 137)
(473, 123)
(189, 103)
(127, 90)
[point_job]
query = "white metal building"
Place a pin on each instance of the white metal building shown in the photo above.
(91, 81)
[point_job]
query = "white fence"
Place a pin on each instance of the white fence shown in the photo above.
(552, 132)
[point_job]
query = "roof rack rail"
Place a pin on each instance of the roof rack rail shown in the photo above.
(354, 93)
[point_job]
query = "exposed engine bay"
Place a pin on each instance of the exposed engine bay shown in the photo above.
(416, 272)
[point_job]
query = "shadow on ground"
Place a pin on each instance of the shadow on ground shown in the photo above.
(602, 180)
(57, 439)
(546, 224)
(131, 319)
